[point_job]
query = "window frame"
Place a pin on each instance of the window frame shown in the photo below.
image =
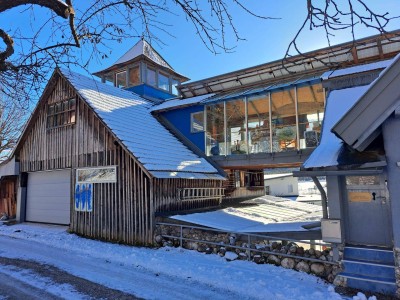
(192, 129)
(126, 80)
(64, 117)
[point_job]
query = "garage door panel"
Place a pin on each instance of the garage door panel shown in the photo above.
(48, 197)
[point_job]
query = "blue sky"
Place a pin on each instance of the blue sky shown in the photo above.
(265, 40)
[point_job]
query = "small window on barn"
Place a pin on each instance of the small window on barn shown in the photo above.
(134, 76)
(151, 77)
(120, 79)
(96, 175)
(61, 113)
(163, 81)
(197, 122)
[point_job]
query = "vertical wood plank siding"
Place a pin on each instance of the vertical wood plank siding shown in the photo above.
(122, 211)
(167, 198)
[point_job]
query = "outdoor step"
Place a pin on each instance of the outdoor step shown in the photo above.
(381, 271)
(377, 255)
(369, 283)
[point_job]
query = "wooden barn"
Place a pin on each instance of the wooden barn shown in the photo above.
(93, 156)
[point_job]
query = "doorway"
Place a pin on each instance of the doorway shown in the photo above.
(367, 207)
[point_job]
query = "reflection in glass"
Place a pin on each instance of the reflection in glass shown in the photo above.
(163, 82)
(120, 79)
(258, 124)
(174, 84)
(151, 77)
(215, 138)
(134, 76)
(236, 127)
(197, 122)
(97, 175)
(284, 128)
(311, 112)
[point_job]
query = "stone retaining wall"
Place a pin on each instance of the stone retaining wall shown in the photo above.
(226, 244)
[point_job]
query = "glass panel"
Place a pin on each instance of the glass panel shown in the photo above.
(120, 79)
(60, 119)
(258, 124)
(311, 112)
(66, 105)
(163, 81)
(134, 76)
(97, 175)
(58, 107)
(284, 130)
(236, 127)
(71, 117)
(197, 122)
(72, 103)
(50, 121)
(151, 77)
(50, 110)
(362, 180)
(174, 83)
(215, 138)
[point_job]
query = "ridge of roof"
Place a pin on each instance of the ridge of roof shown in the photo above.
(142, 47)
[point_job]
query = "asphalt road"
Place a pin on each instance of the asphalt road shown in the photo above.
(23, 287)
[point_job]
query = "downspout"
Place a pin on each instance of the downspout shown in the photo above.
(324, 198)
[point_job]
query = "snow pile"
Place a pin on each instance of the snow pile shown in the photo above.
(166, 273)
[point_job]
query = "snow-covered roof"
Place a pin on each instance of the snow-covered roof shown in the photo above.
(143, 48)
(362, 123)
(268, 214)
(337, 104)
(274, 176)
(128, 116)
(356, 69)
(175, 103)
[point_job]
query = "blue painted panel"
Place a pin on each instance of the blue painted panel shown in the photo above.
(84, 197)
(180, 118)
(147, 90)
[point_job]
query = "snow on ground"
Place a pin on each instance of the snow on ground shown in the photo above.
(158, 273)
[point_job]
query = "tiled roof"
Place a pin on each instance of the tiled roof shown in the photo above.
(128, 116)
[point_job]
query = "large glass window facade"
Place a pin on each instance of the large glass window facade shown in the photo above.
(284, 131)
(311, 112)
(278, 120)
(258, 124)
(215, 136)
(236, 127)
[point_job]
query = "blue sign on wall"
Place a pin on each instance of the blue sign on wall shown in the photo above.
(84, 197)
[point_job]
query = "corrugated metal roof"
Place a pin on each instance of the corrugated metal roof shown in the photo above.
(260, 89)
(128, 116)
(356, 69)
(175, 103)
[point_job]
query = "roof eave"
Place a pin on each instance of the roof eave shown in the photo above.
(360, 124)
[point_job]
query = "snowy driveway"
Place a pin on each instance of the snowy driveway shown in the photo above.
(166, 273)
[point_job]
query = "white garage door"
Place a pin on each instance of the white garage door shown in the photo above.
(48, 197)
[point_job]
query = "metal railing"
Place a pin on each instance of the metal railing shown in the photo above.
(189, 194)
(249, 236)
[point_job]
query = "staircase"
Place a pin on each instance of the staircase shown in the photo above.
(369, 269)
